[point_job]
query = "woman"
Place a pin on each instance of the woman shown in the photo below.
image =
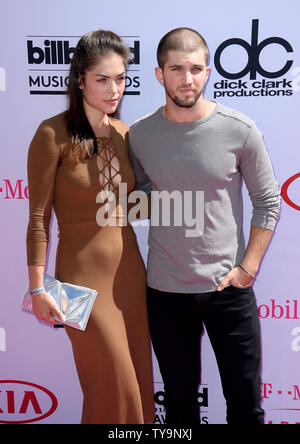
(72, 158)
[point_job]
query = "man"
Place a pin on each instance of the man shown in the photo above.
(193, 144)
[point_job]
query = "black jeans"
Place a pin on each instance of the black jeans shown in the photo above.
(231, 320)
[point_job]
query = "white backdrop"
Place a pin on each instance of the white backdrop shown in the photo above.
(37, 359)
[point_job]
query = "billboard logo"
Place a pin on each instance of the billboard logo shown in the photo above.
(59, 52)
(2, 79)
(252, 67)
(49, 59)
(2, 340)
(52, 53)
(159, 400)
(24, 402)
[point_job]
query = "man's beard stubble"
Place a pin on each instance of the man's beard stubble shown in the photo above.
(184, 103)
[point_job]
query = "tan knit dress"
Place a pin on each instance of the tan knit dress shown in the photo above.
(113, 355)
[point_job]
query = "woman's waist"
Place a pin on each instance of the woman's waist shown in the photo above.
(87, 230)
(85, 212)
(86, 243)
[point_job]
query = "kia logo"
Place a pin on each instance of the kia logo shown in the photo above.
(284, 191)
(24, 402)
(253, 50)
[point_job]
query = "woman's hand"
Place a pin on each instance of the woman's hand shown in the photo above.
(236, 277)
(46, 309)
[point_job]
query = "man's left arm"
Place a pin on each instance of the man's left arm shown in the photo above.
(257, 172)
(243, 275)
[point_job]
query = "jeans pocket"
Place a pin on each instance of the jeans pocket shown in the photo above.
(237, 293)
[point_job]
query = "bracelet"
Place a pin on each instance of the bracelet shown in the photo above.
(247, 272)
(35, 291)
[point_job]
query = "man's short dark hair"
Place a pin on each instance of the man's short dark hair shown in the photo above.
(180, 39)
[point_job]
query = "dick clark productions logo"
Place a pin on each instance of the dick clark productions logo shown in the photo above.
(234, 86)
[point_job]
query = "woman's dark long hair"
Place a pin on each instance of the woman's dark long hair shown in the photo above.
(90, 48)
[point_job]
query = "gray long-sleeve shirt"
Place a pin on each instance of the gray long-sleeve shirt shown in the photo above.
(209, 158)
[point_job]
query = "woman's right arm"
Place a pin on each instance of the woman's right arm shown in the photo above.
(43, 160)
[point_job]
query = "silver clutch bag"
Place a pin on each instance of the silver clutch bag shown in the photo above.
(74, 301)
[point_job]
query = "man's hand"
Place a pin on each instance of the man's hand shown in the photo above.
(236, 277)
(257, 245)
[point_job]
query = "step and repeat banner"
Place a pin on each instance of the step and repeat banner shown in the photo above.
(255, 61)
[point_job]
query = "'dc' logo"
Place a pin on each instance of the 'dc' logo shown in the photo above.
(24, 402)
(284, 191)
(254, 49)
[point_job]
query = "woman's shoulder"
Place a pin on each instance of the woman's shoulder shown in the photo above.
(56, 124)
(51, 136)
(53, 132)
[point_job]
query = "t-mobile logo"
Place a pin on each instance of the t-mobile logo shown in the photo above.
(2, 340)
(2, 79)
